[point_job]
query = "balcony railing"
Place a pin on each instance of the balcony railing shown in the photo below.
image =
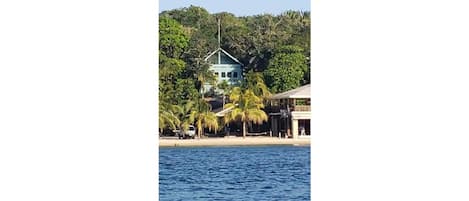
(302, 108)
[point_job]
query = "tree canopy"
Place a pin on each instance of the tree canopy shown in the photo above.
(253, 40)
(287, 69)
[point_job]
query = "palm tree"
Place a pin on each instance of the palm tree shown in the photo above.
(167, 116)
(186, 115)
(247, 107)
(225, 87)
(204, 118)
(255, 82)
(205, 75)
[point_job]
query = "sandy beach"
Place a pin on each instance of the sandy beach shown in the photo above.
(232, 141)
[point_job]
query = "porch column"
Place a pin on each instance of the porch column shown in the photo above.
(271, 125)
(275, 127)
(294, 128)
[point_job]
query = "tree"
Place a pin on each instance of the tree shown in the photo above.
(205, 75)
(204, 118)
(201, 27)
(286, 70)
(186, 114)
(184, 90)
(224, 87)
(167, 117)
(169, 70)
(251, 39)
(191, 16)
(255, 82)
(173, 40)
(247, 107)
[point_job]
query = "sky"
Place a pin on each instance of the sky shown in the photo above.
(239, 7)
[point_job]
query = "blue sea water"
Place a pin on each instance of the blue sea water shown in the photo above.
(235, 173)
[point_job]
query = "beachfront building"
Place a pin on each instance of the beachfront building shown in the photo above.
(225, 67)
(290, 113)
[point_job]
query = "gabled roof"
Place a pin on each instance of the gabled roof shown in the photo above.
(226, 53)
(300, 92)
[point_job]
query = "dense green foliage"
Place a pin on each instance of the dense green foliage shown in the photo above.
(173, 40)
(271, 47)
(253, 40)
(175, 84)
(286, 70)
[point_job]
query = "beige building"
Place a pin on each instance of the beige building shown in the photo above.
(290, 113)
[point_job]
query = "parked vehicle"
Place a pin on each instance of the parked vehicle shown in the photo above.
(168, 132)
(190, 133)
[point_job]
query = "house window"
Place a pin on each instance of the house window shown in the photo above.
(216, 74)
(235, 74)
(229, 74)
(223, 74)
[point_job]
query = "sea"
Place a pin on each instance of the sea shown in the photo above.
(234, 173)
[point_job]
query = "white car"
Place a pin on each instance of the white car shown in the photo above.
(190, 133)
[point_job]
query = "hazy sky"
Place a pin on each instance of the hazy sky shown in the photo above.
(239, 7)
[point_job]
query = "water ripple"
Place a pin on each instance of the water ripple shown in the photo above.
(235, 173)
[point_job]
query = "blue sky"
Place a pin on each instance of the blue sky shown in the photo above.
(239, 7)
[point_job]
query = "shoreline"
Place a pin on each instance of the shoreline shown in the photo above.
(233, 141)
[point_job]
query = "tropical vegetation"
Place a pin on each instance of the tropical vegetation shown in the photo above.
(273, 48)
(246, 107)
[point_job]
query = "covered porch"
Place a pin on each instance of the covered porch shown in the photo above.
(290, 113)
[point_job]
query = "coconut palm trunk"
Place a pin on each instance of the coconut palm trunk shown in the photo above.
(199, 127)
(244, 129)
